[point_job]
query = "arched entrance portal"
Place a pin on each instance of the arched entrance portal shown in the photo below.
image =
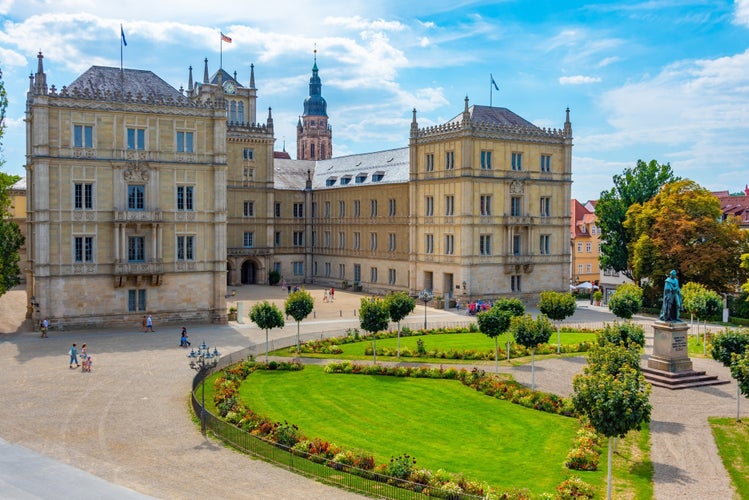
(248, 273)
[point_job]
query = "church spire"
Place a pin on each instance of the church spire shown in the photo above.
(190, 86)
(40, 80)
(314, 136)
(205, 72)
(252, 76)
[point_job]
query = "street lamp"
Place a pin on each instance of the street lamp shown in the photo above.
(202, 360)
(425, 295)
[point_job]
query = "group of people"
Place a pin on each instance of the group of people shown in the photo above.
(86, 360)
(478, 306)
(329, 295)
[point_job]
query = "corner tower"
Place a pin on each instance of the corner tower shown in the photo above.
(314, 137)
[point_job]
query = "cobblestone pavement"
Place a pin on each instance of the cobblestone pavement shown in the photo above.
(128, 421)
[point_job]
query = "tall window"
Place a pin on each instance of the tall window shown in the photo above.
(429, 243)
(373, 274)
(342, 271)
(391, 242)
(341, 240)
(588, 247)
(545, 163)
(373, 241)
(277, 210)
(391, 277)
(429, 206)
(83, 136)
(327, 269)
(515, 283)
(314, 209)
(545, 209)
(391, 207)
(357, 240)
(249, 209)
(327, 210)
(544, 244)
(485, 244)
(248, 241)
(185, 248)
(327, 239)
(517, 161)
(357, 208)
(516, 208)
(83, 249)
(429, 162)
(136, 249)
(579, 268)
(449, 244)
(357, 273)
(341, 208)
(485, 205)
(373, 208)
(240, 112)
(299, 210)
(579, 247)
(184, 142)
(516, 244)
(83, 196)
(277, 239)
(136, 197)
(184, 197)
(136, 138)
(449, 204)
(136, 300)
(298, 268)
(486, 160)
(314, 238)
(449, 160)
(588, 268)
(298, 238)
(248, 154)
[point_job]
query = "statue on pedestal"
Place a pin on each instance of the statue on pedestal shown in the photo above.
(671, 299)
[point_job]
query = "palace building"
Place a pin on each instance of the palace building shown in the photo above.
(146, 199)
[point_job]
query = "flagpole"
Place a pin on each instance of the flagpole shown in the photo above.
(221, 51)
(491, 80)
(121, 31)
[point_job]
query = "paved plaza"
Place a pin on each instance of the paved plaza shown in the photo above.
(125, 430)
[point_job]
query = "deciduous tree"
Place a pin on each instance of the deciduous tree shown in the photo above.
(557, 307)
(626, 300)
(682, 228)
(374, 316)
(266, 316)
(400, 305)
(493, 323)
(11, 238)
(298, 305)
(725, 347)
(513, 306)
(634, 185)
(530, 332)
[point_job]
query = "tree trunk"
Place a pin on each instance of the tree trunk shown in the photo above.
(496, 354)
(609, 474)
(298, 343)
(559, 337)
(266, 346)
(374, 349)
(399, 339)
(533, 369)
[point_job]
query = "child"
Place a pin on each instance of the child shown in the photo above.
(87, 361)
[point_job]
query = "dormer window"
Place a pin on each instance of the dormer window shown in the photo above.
(345, 180)
(330, 181)
(377, 176)
(361, 178)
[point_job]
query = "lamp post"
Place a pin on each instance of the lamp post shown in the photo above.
(425, 296)
(202, 360)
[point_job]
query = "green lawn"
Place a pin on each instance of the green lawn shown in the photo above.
(442, 342)
(732, 439)
(441, 423)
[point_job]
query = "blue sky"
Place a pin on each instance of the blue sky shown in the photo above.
(659, 79)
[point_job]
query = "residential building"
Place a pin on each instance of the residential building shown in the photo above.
(736, 205)
(585, 243)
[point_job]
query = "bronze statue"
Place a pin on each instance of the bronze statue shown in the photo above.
(671, 299)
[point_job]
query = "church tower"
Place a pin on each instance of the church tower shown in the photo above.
(314, 137)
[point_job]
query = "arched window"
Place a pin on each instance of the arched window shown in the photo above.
(312, 151)
(233, 112)
(240, 112)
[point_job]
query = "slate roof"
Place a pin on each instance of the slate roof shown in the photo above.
(380, 167)
(133, 81)
(494, 116)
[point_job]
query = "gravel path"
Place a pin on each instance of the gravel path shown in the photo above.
(128, 421)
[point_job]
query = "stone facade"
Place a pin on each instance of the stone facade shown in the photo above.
(478, 207)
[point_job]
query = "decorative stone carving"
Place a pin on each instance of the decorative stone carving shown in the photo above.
(516, 187)
(136, 172)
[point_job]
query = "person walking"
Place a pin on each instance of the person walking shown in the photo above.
(145, 324)
(332, 293)
(149, 324)
(44, 327)
(74, 356)
(183, 342)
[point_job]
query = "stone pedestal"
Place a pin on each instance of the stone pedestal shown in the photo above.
(670, 353)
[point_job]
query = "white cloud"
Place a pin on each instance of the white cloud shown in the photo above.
(741, 16)
(608, 60)
(578, 80)
(358, 23)
(424, 42)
